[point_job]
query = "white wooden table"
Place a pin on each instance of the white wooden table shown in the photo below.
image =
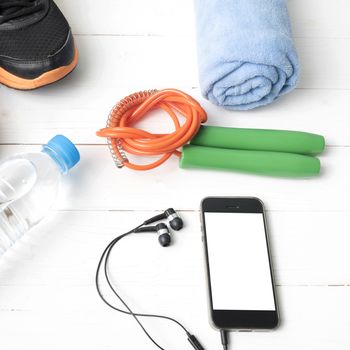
(47, 294)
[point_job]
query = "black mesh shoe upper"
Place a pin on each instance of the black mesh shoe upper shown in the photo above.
(36, 34)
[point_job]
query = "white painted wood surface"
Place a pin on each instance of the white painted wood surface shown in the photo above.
(47, 295)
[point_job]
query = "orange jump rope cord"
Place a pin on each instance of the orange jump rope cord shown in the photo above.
(123, 137)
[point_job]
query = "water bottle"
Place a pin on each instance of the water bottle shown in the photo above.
(28, 187)
(17, 177)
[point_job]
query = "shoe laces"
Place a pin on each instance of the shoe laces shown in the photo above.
(13, 9)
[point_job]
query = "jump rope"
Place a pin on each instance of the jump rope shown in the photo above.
(259, 151)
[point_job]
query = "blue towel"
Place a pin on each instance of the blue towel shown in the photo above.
(246, 54)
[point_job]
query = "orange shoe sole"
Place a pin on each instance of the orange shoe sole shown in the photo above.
(46, 78)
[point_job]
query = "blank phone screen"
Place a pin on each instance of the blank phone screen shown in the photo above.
(240, 276)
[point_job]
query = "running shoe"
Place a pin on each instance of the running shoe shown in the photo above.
(36, 44)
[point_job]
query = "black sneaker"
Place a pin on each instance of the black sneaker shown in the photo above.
(36, 44)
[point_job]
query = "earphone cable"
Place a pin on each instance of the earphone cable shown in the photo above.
(130, 312)
(136, 314)
(105, 256)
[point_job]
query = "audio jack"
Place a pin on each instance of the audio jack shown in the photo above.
(224, 339)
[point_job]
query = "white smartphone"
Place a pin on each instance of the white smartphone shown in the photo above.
(240, 280)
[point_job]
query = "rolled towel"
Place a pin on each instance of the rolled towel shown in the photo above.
(246, 55)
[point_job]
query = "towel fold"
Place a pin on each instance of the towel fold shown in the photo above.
(246, 55)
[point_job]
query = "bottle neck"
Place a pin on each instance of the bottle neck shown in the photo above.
(57, 158)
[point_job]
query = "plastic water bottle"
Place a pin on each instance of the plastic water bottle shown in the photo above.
(17, 177)
(28, 187)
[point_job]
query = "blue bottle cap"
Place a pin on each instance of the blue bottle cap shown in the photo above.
(63, 152)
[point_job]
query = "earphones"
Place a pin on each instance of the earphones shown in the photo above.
(162, 229)
(164, 238)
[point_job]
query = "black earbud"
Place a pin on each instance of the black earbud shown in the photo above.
(173, 217)
(175, 221)
(164, 237)
(162, 230)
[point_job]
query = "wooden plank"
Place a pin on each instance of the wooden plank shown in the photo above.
(312, 18)
(79, 112)
(97, 184)
(308, 249)
(79, 105)
(311, 318)
(125, 58)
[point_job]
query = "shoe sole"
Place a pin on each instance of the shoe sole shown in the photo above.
(13, 81)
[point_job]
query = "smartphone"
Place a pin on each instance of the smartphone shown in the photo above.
(238, 264)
